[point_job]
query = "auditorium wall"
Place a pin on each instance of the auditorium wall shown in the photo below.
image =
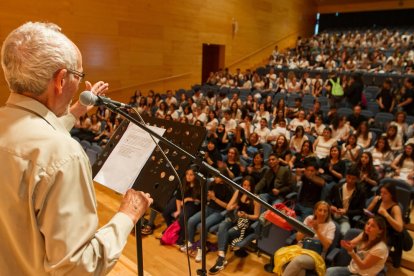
(333, 6)
(146, 43)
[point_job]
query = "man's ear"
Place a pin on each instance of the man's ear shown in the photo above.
(60, 81)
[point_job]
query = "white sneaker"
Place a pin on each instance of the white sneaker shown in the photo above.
(183, 248)
(199, 255)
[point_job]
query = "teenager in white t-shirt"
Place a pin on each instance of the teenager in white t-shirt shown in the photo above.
(368, 251)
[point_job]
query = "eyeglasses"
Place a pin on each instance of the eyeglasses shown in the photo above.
(81, 75)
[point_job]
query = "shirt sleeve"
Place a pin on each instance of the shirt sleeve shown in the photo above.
(68, 222)
(68, 121)
(380, 250)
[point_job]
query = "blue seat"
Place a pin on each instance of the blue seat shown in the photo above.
(409, 120)
(323, 100)
(367, 113)
(373, 107)
(382, 120)
(344, 111)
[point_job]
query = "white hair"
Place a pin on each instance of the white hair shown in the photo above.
(33, 53)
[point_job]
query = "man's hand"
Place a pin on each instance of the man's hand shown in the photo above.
(134, 204)
(99, 88)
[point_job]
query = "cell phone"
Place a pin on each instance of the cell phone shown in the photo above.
(368, 213)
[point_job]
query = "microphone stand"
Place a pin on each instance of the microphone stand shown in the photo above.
(202, 166)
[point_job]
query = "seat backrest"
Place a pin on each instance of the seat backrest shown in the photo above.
(382, 119)
(404, 199)
(337, 238)
(367, 113)
(344, 111)
(409, 120)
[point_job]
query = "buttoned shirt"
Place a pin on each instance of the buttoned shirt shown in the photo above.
(48, 212)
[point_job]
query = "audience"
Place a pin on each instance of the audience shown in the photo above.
(287, 113)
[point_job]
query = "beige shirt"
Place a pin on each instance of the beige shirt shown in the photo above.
(47, 201)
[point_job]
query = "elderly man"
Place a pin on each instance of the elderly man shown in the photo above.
(48, 205)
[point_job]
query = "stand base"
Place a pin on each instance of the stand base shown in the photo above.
(201, 272)
(241, 253)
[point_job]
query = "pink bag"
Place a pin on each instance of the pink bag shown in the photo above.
(171, 234)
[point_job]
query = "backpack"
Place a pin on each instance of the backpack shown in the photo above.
(336, 88)
(170, 235)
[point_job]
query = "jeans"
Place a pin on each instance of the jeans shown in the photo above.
(213, 217)
(169, 209)
(299, 265)
(190, 209)
(326, 190)
(302, 212)
(269, 198)
(226, 232)
(338, 271)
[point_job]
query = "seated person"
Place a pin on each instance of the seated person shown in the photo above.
(276, 183)
(299, 260)
(219, 195)
(310, 190)
(332, 170)
(324, 143)
(368, 174)
(386, 206)
(212, 155)
(350, 150)
(368, 251)
(262, 131)
(282, 151)
(347, 200)
(297, 139)
(403, 165)
(232, 231)
(394, 140)
(382, 155)
(251, 148)
(298, 160)
(232, 164)
(364, 136)
(191, 204)
(257, 169)
(279, 129)
(340, 129)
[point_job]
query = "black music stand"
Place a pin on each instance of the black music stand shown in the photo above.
(203, 167)
(157, 177)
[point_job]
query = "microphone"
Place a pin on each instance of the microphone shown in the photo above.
(87, 98)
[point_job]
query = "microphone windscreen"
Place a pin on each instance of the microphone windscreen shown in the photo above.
(87, 98)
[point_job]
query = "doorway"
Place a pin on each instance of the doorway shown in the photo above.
(213, 59)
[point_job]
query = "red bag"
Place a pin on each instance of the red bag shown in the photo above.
(278, 220)
(171, 234)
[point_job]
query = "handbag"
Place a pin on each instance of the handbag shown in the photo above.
(171, 234)
(407, 240)
(278, 220)
(312, 244)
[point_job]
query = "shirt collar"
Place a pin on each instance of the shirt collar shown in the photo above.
(36, 107)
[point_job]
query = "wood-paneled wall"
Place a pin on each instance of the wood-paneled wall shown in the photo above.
(131, 42)
(332, 6)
